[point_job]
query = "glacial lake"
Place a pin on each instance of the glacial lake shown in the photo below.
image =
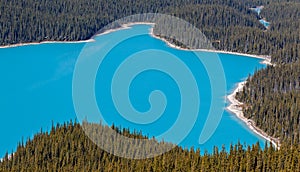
(36, 90)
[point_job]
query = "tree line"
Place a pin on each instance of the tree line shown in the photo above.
(67, 148)
(230, 24)
(272, 100)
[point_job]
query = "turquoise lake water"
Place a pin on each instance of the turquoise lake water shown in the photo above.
(36, 89)
(265, 23)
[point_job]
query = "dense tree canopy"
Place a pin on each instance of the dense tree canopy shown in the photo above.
(272, 99)
(231, 23)
(67, 148)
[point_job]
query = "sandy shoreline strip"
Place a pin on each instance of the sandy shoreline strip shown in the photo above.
(235, 107)
(124, 26)
(46, 42)
(267, 59)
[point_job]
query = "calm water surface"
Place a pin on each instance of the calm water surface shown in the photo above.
(36, 90)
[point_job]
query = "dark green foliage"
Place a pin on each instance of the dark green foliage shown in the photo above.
(67, 148)
(272, 97)
(230, 22)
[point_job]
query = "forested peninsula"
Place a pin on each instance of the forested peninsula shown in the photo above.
(271, 96)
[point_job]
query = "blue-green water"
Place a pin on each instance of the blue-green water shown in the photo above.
(36, 89)
(265, 23)
(257, 9)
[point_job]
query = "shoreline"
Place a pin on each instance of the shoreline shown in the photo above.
(235, 108)
(124, 26)
(46, 42)
(266, 59)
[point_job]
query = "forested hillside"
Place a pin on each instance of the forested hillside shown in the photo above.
(272, 100)
(231, 23)
(67, 148)
(271, 96)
